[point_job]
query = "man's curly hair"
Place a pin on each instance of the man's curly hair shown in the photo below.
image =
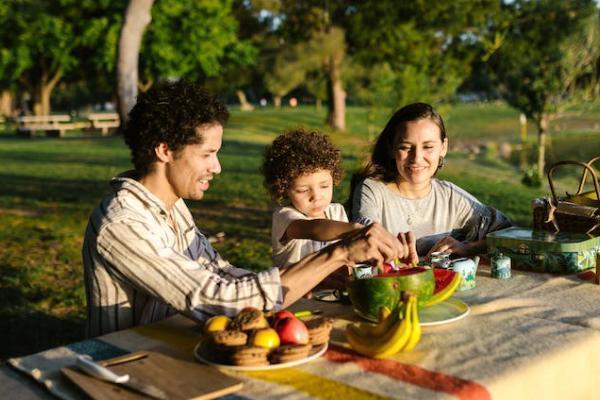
(296, 153)
(169, 113)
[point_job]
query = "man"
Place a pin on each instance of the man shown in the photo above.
(145, 259)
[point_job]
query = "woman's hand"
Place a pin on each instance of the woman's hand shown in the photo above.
(452, 246)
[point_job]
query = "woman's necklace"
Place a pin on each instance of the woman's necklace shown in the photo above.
(413, 213)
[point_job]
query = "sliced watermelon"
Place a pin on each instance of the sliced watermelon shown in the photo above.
(446, 283)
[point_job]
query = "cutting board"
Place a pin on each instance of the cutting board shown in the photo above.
(179, 379)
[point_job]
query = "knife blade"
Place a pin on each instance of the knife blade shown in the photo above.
(90, 367)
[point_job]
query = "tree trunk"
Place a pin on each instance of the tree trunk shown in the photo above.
(137, 17)
(318, 104)
(6, 103)
(277, 101)
(336, 117)
(43, 91)
(244, 104)
(542, 128)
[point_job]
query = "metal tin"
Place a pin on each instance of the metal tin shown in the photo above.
(439, 259)
(362, 271)
(500, 266)
(543, 251)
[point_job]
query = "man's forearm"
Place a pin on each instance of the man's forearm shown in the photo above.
(299, 278)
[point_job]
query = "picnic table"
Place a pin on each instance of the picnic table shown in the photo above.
(532, 336)
(57, 125)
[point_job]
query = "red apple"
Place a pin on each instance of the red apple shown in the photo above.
(281, 315)
(291, 331)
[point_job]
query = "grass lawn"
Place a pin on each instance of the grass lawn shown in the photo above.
(49, 187)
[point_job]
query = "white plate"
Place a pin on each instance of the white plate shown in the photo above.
(445, 312)
(314, 353)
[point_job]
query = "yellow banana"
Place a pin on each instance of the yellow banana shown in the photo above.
(392, 341)
(415, 335)
(387, 319)
(402, 339)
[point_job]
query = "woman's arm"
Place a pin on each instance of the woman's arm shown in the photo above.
(323, 230)
(450, 245)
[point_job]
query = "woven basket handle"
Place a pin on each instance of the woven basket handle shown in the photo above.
(566, 162)
(584, 176)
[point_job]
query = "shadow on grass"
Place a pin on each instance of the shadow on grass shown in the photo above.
(57, 189)
(31, 332)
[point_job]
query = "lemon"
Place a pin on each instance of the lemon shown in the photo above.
(216, 324)
(266, 337)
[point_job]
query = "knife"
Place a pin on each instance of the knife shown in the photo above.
(86, 364)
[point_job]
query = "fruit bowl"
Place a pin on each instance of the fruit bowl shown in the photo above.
(369, 295)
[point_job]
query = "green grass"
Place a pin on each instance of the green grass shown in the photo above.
(49, 187)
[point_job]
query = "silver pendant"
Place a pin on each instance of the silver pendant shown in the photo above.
(409, 220)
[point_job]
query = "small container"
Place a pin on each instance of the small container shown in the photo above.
(439, 259)
(500, 266)
(467, 268)
(362, 271)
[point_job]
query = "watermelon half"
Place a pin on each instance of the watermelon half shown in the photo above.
(369, 295)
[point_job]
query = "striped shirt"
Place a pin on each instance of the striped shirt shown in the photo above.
(139, 268)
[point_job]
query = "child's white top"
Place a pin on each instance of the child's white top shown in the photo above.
(293, 250)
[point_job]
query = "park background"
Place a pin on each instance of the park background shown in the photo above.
(517, 83)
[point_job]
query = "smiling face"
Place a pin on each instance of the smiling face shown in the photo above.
(311, 193)
(417, 154)
(189, 170)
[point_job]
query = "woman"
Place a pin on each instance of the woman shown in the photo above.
(397, 188)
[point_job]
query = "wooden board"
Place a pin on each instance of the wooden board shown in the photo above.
(179, 379)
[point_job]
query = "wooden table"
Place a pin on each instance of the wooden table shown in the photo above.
(532, 336)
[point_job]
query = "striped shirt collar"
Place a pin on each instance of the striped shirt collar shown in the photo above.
(128, 181)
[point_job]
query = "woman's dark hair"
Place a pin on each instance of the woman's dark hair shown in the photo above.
(382, 163)
(169, 113)
(296, 153)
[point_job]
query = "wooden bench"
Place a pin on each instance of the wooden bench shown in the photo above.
(53, 125)
(104, 121)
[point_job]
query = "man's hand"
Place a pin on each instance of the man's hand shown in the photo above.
(375, 245)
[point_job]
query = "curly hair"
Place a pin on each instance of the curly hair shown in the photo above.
(169, 113)
(295, 153)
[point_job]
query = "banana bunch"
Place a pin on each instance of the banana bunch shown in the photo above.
(395, 332)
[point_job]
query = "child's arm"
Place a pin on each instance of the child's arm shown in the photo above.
(323, 230)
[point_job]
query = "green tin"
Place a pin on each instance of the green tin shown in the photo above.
(542, 251)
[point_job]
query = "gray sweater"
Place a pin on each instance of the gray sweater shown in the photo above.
(445, 210)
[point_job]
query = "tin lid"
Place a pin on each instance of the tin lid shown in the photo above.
(542, 240)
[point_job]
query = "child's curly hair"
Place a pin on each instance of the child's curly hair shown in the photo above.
(295, 153)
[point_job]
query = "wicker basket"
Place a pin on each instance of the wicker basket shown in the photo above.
(575, 213)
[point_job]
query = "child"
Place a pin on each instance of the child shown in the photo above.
(301, 168)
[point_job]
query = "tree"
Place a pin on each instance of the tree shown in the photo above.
(137, 17)
(42, 42)
(286, 73)
(532, 68)
(38, 43)
(315, 26)
(423, 49)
